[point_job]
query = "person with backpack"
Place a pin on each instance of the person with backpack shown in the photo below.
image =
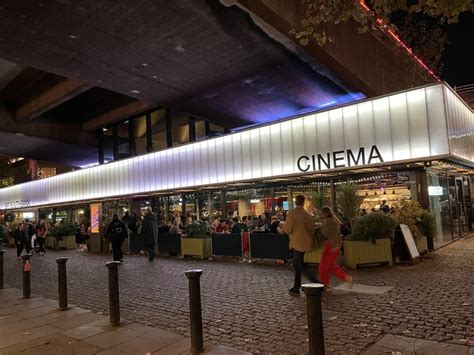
(116, 233)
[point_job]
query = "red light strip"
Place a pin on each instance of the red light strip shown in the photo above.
(385, 29)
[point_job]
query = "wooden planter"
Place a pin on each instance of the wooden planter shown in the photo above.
(314, 256)
(358, 253)
(201, 247)
(51, 242)
(68, 242)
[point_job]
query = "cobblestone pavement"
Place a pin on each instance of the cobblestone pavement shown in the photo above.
(247, 306)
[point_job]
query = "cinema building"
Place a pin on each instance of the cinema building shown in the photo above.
(416, 144)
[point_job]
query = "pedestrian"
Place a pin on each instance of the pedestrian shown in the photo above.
(299, 226)
(149, 233)
(239, 227)
(116, 234)
(21, 240)
(29, 230)
(331, 229)
(41, 230)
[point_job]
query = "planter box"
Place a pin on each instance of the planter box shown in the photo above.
(169, 243)
(51, 242)
(269, 246)
(68, 242)
(227, 244)
(314, 256)
(421, 244)
(357, 252)
(201, 247)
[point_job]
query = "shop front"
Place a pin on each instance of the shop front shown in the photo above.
(414, 145)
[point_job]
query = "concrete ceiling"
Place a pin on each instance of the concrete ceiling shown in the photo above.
(196, 57)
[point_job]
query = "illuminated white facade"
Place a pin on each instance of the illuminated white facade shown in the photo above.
(419, 124)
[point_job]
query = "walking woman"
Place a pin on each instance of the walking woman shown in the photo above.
(21, 241)
(41, 231)
(331, 229)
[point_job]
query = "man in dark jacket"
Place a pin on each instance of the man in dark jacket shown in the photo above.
(150, 233)
(116, 234)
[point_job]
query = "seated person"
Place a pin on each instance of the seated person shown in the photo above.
(239, 227)
(175, 227)
(222, 227)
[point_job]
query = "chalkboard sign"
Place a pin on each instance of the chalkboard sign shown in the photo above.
(410, 242)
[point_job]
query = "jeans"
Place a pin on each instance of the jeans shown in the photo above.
(41, 242)
(117, 250)
(300, 267)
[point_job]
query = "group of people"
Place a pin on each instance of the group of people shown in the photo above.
(27, 235)
(300, 227)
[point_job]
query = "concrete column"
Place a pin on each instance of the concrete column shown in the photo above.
(192, 129)
(169, 128)
(115, 142)
(290, 198)
(223, 204)
(131, 137)
(100, 144)
(149, 133)
(272, 197)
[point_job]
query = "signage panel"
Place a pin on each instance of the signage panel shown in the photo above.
(406, 126)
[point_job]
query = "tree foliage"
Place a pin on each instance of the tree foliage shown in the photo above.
(427, 41)
(6, 173)
(348, 200)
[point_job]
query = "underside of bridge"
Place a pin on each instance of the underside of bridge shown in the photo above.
(71, 68)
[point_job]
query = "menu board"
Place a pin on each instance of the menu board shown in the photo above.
(410, 242)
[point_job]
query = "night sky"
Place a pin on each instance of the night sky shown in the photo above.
(458, 54)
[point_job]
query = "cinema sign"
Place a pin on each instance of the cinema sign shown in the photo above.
(339, 159)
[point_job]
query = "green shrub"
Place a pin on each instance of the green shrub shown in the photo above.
(348, 200)
(427, 224)
(197, 229)
(377, 225)
(62, 230)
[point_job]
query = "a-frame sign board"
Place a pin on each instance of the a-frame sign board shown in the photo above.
(410, 243)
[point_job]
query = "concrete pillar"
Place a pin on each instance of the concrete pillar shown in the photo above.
(192, 129)
(290, 198)
(169, 128)
(149, 133)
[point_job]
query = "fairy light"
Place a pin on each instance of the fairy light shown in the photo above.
(387, 30)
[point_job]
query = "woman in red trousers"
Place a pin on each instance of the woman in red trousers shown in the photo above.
(331, 229)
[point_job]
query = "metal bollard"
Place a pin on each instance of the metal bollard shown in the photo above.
(26, 276)
(114, 301)
(62, 283)
(1, 267)
(315, 317)
(197, 344)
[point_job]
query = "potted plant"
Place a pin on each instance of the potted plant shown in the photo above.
(348, 200)
(426, 226)
(196, 241)
(319, 199)
(370, 240)
(64, 235)
(409, 212)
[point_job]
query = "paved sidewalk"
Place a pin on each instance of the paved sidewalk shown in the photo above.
(35, 326)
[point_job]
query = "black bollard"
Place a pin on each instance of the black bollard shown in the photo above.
(26, 276)
(197, 343)
(62, 283)
(313, 293)
(1, 267)
(114, 301)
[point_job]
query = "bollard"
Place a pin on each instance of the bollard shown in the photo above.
(62, 283)
(114, 302)
(26, 276)
(313, 293)
(197, 344)
(1, 266)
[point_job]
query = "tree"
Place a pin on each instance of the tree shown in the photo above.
(6, 173)
(427, 38)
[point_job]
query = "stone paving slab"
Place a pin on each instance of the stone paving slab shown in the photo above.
(359, 288)
(37, 327)
(396, 344)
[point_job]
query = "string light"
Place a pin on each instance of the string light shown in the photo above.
(388, 31)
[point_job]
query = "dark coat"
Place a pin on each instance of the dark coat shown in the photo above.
(150, 229)
(20, 236)
(116, 232)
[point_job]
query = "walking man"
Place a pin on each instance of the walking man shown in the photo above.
(116, 234)
(299, 226)
(150, 233)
